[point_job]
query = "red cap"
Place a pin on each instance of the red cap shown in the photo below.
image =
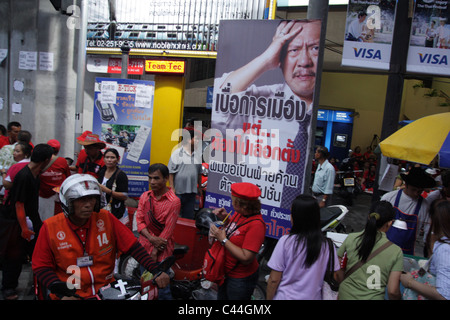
(245, 190)
(54, 144)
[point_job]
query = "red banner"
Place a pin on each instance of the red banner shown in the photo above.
(135, 66)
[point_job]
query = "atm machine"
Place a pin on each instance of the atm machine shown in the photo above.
(334, 130)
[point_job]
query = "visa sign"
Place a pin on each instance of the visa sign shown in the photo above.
(429, 58)
(367, 53)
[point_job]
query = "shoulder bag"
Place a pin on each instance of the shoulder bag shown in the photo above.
(214, 261)
(372, 255)
(117, 211)
(330, 286)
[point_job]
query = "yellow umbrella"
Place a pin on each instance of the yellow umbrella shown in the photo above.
(419, 141)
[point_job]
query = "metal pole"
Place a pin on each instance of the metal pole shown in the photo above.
(317, 9)
(397, 70)
(125, 59)
(81, 71)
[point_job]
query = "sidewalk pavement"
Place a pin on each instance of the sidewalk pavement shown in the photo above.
(25, 289)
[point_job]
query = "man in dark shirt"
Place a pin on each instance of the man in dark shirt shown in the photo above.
(90, 160)
(17, 235)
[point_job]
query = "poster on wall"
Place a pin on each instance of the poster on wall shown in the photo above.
(429, 40)
(261, 113)
(123, 116)
(368, 34)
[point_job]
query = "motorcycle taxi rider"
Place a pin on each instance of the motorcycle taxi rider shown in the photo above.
(79, 247)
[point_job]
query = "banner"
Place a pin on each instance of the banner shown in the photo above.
(261, 113)
(429, 41)
(123, 116)
(99, 64)
(368, 33)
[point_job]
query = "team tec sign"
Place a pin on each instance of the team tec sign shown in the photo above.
(164, 66)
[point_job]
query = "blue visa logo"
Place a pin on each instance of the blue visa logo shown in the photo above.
(367, 53)
(429, 58)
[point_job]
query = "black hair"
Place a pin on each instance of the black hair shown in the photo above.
(323, 151)
(189, 135)
(24, 136)
(3, 131)
(440, 219)
(13, 124)
(161, 167)
(41, 152)
(445, 176)
(26, 148)
(381, 212)
(116, 153)
(305, 213)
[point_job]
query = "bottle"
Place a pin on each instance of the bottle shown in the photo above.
(30, 226)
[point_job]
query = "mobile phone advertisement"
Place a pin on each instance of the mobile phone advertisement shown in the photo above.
(123, 116)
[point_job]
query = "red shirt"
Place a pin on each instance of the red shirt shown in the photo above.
(166, 211)
(15, 168)
(249, 236)
(4, 140)
(53, 177)
(107, 237)
(86, 165)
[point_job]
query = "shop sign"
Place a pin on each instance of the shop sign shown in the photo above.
(98, 64)
(165, 66)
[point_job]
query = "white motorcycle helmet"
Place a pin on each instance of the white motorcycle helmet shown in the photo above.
(78, 186)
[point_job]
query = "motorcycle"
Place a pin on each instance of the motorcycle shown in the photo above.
(331, 218)
(349, 184)
(187, 281)
(123, 287)
(132, 288)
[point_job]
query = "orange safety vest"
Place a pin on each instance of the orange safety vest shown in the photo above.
(67, 248)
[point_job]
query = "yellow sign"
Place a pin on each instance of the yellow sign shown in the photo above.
(164, 66)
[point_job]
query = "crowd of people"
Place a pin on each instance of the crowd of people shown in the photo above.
(58, 215)
(46, 200)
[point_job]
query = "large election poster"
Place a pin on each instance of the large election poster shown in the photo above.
(429, 40)
(261, 113)
(123, 115)
(368, 33)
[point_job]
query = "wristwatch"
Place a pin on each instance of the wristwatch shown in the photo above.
(223, 241)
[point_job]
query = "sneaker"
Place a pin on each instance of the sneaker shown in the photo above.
(10, 294)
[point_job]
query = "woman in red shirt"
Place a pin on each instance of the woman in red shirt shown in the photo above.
(242, 239)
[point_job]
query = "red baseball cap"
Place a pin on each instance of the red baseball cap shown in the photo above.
(54, 144)
(245, 190)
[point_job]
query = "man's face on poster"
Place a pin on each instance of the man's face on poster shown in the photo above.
(299, 65)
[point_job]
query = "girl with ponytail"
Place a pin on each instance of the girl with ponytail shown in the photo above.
(370, 280)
